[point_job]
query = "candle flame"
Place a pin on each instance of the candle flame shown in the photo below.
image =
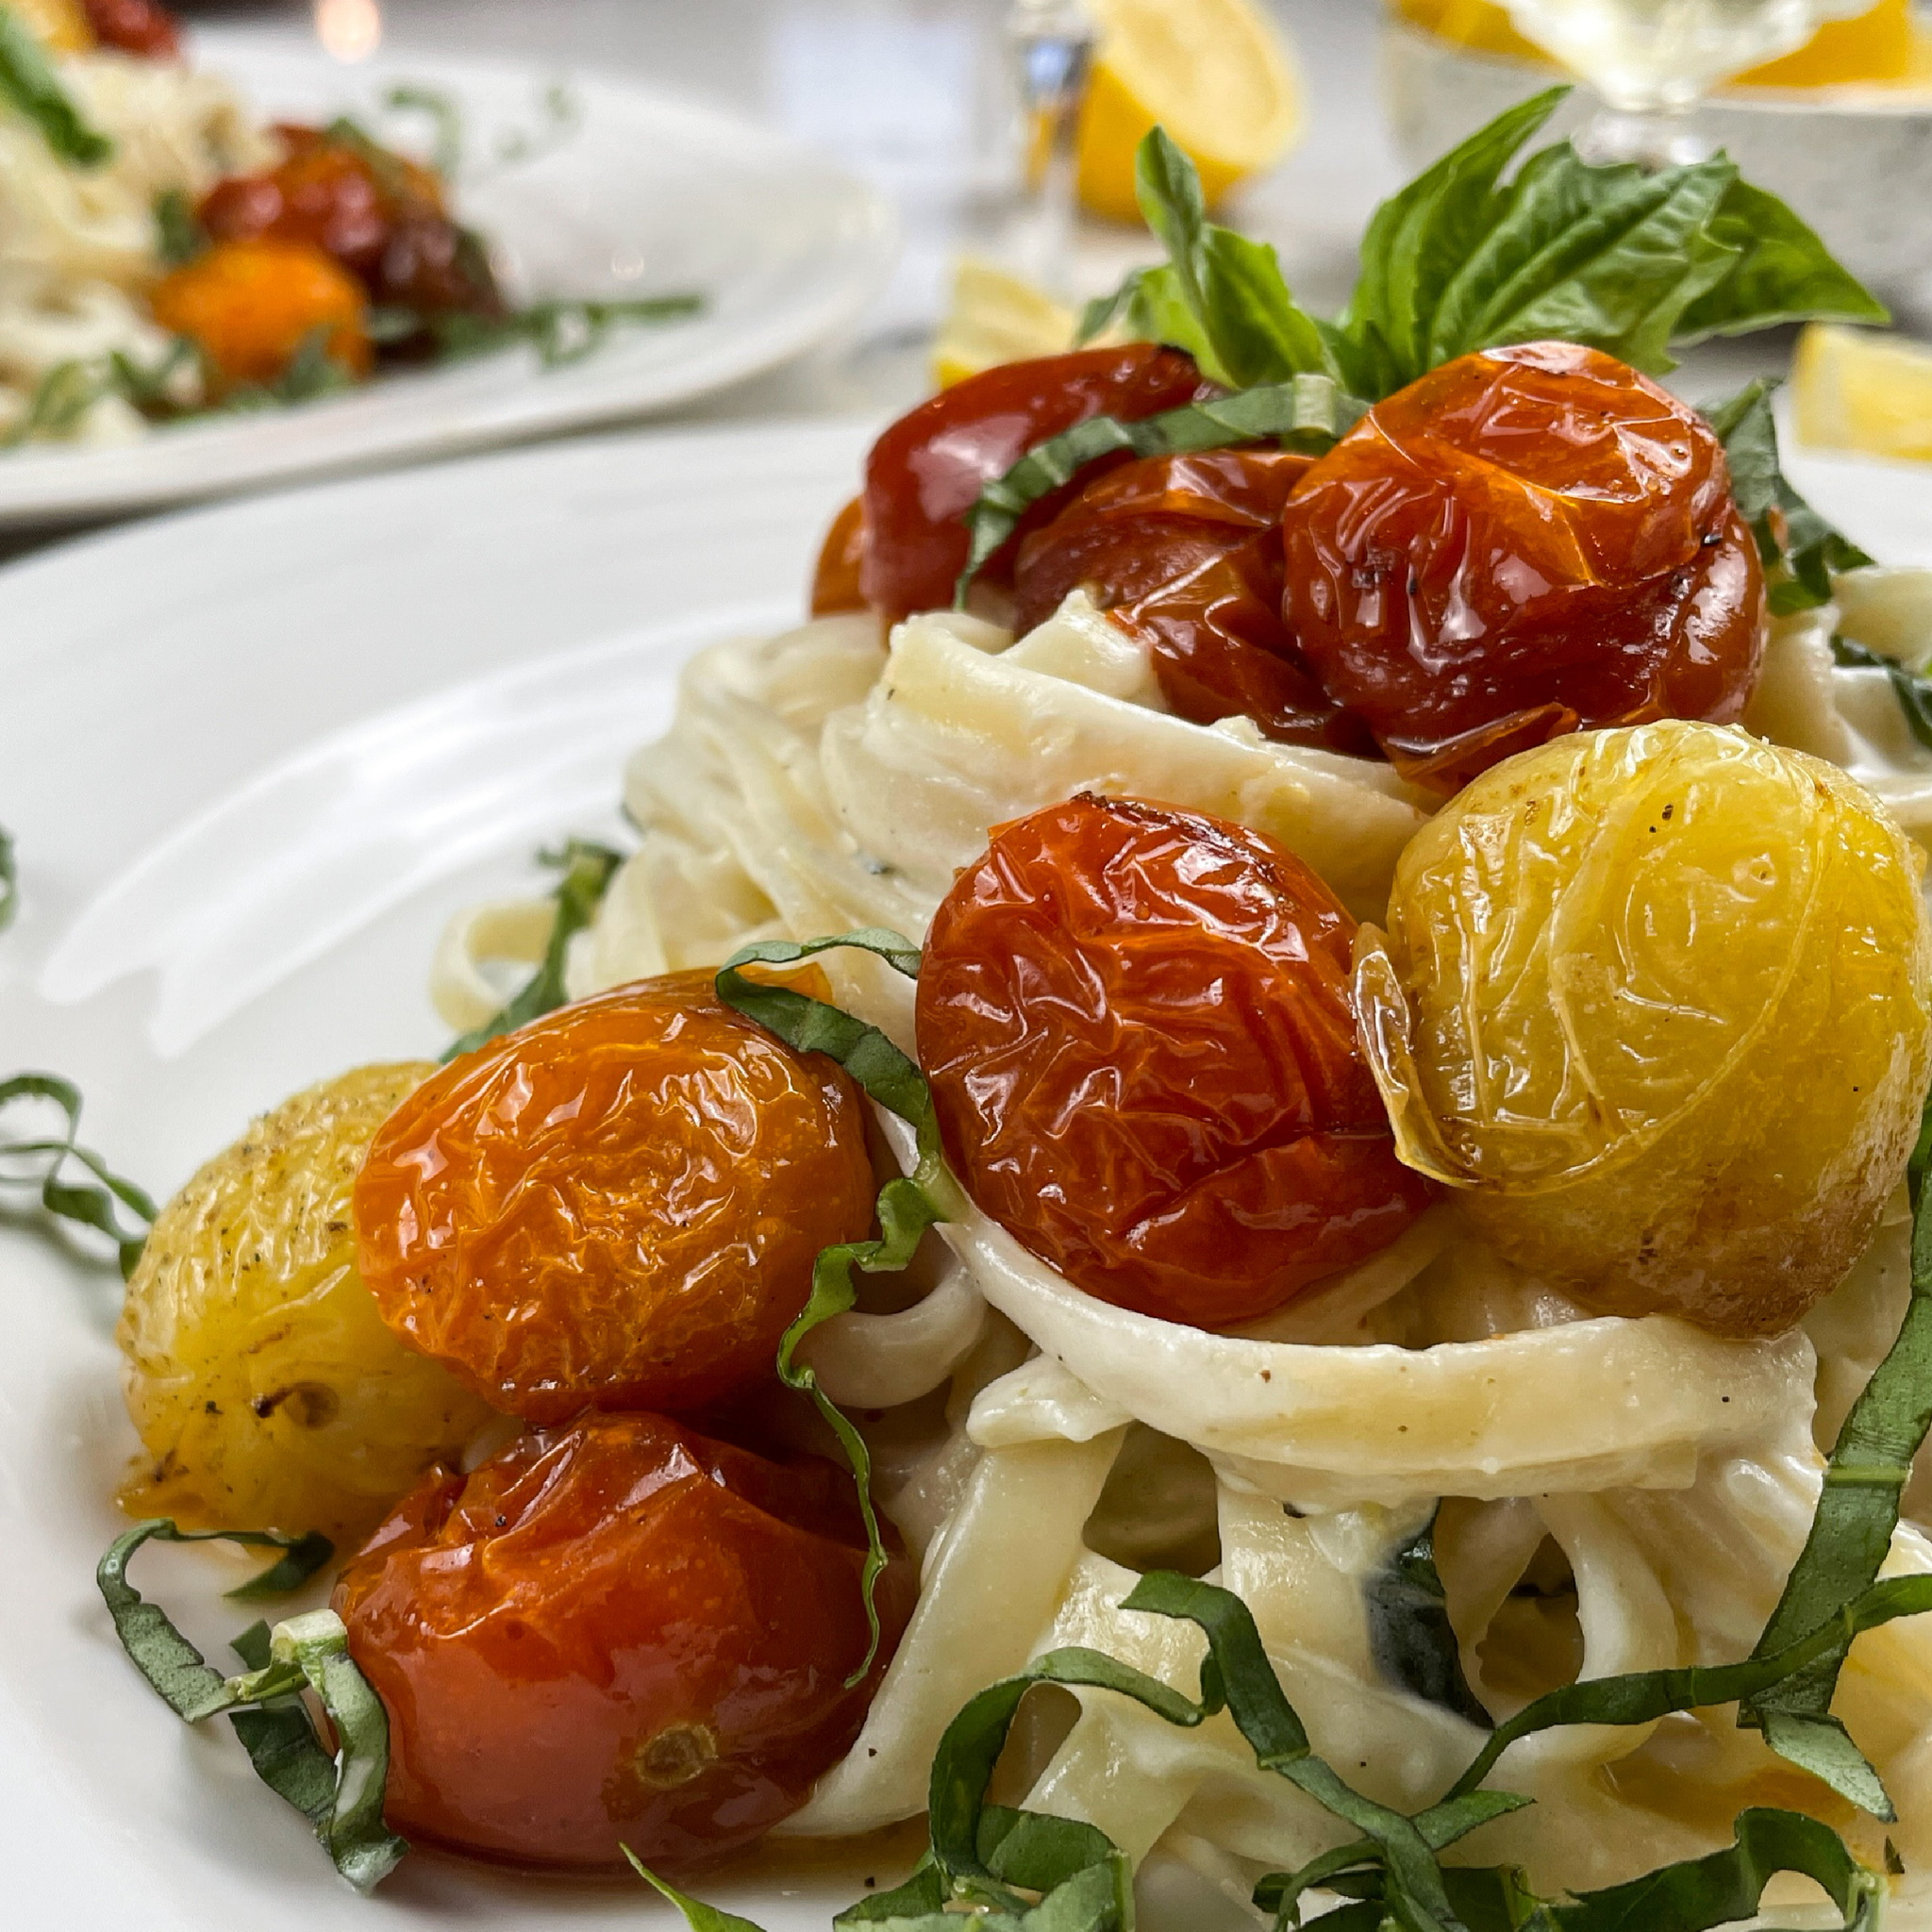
(349, 29)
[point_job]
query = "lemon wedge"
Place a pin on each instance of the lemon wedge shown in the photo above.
(1856, 389)
(1883, 45)
(1215, 74)
(996, 317)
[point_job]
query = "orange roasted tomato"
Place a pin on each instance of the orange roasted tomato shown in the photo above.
(252, 305)
(1137, 1026)
(1184, 552)
(618, 1632)
(619, 1203)
(928, 470)
(835, 585)
(1526, 542)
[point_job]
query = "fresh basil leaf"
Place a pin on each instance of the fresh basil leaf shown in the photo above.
(1785, 274)
(9, 880)
(587, 869)
(178, 234)
(907, 1206)
(1727, 1886)
(1913, 692)
(280, 1737)
(697, 1915)
(1409, 1636)
(30, 87)
(1421, 238)
(41, 1163)
(922, 1896)
(1852, 1529)
(1801, 552)
(1309, 413)
(305, 1555)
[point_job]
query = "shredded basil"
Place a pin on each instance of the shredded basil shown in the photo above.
(9, 880)
(30, 87)
(1409, 1636)
(306, 1653)
(907, 1206)
(302, 1557)
(42, 1163)
(1305, 412)
(1912, 691)
(178, 234)
(561, 330)
(587, 869)
(697, 1915)
(445, 118)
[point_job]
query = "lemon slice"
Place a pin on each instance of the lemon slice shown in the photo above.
(994, 318)
(1856, 389)
(1215, 74)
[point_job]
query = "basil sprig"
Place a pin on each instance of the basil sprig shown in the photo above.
(907, 1204)
(1409, 1636)
(1305, 412)
(41, 1163)
(30, 87)
(587, 869)
(340, 1792)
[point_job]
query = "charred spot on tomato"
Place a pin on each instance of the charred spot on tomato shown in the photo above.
(1137, 1030)
(616, 1633)
(1527, 541)
(928, 470)
(619, 1203)
(1184, 552)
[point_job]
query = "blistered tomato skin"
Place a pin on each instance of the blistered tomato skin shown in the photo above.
(1526, 542)
(267, 1392)
(616, 1633)
(1655, 1000)
(619, 1203)
(1184, 552)
(928, 470)
(1137, 1027)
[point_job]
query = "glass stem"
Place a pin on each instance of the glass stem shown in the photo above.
(1053, 45)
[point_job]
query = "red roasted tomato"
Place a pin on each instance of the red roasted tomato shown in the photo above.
(135, 27)
(615, 1632)
(619, 1203)
(928, 470)
(1137, 1026)
(1526, 542)
(1184, 552)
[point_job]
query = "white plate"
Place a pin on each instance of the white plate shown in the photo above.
(253, 757)
(650, 194)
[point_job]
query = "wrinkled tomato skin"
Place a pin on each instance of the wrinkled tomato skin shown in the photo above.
(928, 470)
(618, 1632)
(135, 27)
(1137, 1030)
(835, 583)
(1526, 542)
(619, 1203)
(1184, 552)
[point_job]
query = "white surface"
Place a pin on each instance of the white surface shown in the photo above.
(652, 195)
(253, 755)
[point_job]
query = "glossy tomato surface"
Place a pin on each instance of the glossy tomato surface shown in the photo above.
(1137, 1030)
(928, 470)
(619, 1203)
(1526, 542)
(835, 583)
(136, 26)
(1184, 552)
(616, 1632)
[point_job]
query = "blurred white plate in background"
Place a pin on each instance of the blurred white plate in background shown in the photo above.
(647, 194)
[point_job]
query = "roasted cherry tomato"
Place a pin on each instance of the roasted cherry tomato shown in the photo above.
(835, 583)
(251, 306)
(1526, 542)
(619, 1203)
(928, 470)
(616, 1633)
(135, 27)
(1137, 1026)
(1184, 554)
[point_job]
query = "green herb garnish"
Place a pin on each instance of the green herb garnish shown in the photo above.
(587, 868)
(907, 1206)
(342, 1791)
(30, 87)
(41, 1162)
(1410, 1636)
(178, 234)
(9, 880)
(561, 331)
(1912, 689)
(445, 118)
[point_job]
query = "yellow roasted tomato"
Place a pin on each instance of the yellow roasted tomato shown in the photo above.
(1656, 1000)
(267, 1391)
